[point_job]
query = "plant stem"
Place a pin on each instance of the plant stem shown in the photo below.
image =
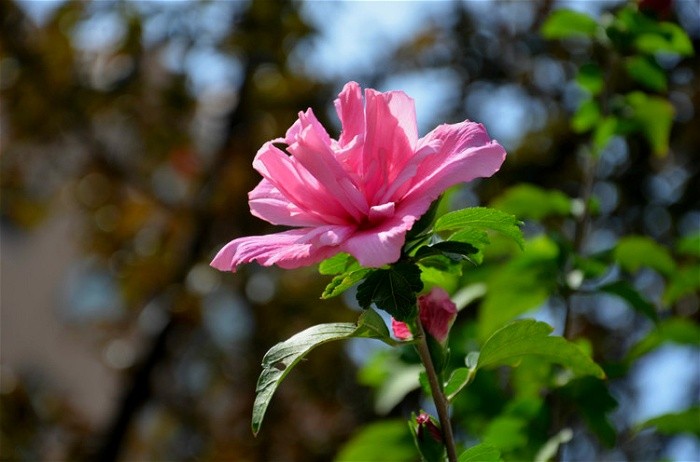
(438, 395)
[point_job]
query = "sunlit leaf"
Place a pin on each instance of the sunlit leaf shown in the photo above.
(689, 245)
(389, 440)
(528, 337)
(506, 433)
(604, 131)
(337, 264)
(392, 290)
(281, 358)
(568, 23)
(482, 218)
(343, 282)
(551, 447)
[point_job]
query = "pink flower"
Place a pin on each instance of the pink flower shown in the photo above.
(359, 194)
(436, 312)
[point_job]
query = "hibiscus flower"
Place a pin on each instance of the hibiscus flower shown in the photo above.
(361, 193)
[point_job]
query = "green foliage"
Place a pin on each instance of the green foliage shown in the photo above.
(389, 440)
(391, 378)
(632, 296)
(586, 117)
(522, 338)
(592, 400)
(690, 245)
(687, 421)
(530, 201)
(564, 24)
(392, 290)
(674, 330)
(653, 117)
(480, 219)
(635, 252)
(647, 72)
(590, 77)
(520, 285)
(481, 453)
(281, 358)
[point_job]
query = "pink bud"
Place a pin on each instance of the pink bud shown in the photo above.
(437, 313)
(401, 330)
(425, 422)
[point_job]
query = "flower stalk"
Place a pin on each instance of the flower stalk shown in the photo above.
(438, 394)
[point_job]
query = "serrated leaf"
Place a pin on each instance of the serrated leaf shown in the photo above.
(281, 358)
(393, 290)
(687, 421)
(480, 453)
(635, 252)
(632, 296)
(482, 218)
(568, 23)
(530, 201)
(343, 282)
(529, 337)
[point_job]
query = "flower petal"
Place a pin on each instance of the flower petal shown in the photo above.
(466, 153)
(389, 141)
(351, 113)
(380, 245)
(268, 203)
(288, 249)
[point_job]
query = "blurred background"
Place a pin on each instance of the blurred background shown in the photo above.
(127, 131)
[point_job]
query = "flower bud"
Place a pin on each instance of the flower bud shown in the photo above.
(401, 330)
(437, 313)
(428, 438)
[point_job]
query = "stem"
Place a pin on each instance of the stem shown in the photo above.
(438, 396)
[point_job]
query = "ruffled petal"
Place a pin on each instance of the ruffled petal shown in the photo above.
(379, 245)
(351, 113)
(268, 203)
(289, 249)
(466, 153)
(388, 142)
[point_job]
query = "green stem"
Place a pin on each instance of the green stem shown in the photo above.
(438, 395)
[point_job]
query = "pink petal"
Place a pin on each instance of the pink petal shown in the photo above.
(437, 313)
(380, 245)
(268, 203)
(388, 142)
(351, 112)
(467, 153)
(288, 249)
(401, 330)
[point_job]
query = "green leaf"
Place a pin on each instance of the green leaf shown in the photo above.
(391, 378)
(480, 453)
(632, 296)
(685, 281)
(337, 264)
(459, 379)
(604, 131)
(654, 117)
(645, 71)
(388, 440)
(590, 78)
(635, 252)
(530, 201)
(454, 250)
(687, 421)
(675, 330)
(343, 282)
(568, 23)
(689, 245)
(522, 284)
(586, 117)
(666, 37)
(506, 433)
(392, 290)
(528, 337)
(482, 218)
(281, 358)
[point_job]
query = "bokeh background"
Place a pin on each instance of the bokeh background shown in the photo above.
(127, 131)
